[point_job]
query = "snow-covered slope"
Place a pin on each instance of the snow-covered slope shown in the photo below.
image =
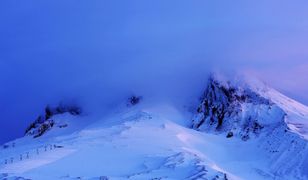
(239, 131)
(138, 143)
(254, 112)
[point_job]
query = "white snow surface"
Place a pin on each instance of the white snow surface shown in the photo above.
(152, 141)
(297, 113)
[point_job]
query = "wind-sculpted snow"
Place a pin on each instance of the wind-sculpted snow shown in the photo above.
(133, 144)
(178, 166)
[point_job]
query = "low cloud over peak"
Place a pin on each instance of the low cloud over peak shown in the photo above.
(99, 51)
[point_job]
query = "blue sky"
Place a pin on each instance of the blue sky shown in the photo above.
(98, 51)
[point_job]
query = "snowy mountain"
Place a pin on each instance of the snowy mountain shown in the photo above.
(242, 129)
(274, 122)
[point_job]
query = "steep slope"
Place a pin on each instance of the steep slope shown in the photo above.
(258, 113)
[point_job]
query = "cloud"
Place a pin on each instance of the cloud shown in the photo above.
(290, 80)
(99, 51)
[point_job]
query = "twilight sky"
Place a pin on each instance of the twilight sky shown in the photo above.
(99, 51)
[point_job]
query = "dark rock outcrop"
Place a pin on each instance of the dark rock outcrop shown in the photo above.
(225, 108)
(134, 100)
(44, 122)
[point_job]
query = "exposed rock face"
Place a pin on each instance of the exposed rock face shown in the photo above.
(45, 122)
(233, 110)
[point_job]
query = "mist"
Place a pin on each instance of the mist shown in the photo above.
(99, 52)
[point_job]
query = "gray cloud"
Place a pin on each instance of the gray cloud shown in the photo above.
(98, 52)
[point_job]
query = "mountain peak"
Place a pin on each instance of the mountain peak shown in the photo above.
(224, 106)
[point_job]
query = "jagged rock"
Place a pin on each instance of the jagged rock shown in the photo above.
(44, 122)
(134, 100)
(44, 127)
(230, 134)
(60, 109)
(226, 108)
